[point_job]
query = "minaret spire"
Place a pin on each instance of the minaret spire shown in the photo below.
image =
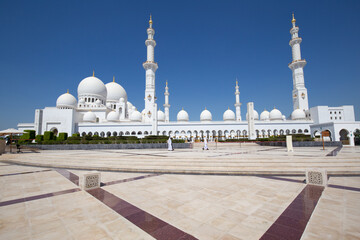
(167, 105)
(300, 97)
(237, 101)
(113, 78)
(150, 67)
(150, 22)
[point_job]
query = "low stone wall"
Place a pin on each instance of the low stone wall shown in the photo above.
(302, 144)
(107, 146)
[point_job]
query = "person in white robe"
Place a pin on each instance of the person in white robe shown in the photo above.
(205, 144)
(170, 147)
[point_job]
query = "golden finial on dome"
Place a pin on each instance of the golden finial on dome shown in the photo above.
(113, 78)
(166, 83)
(237, 82)
(205, 108)
(93, 73)
(293, 18)
(228, 108)
(67, 91)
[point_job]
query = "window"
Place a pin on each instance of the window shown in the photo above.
(334, 112)
(330, 112)
(335, 118)
(340, 118)
(331, 118)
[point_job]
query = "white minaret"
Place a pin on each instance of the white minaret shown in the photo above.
(300, 96)
(167, 105)
(150, 68)
(237, 102)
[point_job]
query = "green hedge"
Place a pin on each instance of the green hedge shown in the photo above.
(62, 136)
(48, 135)
(39, 138)
(31, 134)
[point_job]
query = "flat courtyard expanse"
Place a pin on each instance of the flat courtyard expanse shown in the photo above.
(232, 191)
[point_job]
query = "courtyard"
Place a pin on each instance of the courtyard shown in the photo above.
(232, 191)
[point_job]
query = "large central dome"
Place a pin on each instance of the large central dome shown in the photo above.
(92, 86)
(115, 91)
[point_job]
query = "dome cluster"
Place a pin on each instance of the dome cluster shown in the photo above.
(112, 97)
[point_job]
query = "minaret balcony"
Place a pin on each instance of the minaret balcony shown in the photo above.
(297, 64)
(150, 65)
(295, 41)
(151, 42)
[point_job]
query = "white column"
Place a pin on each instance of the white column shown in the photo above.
(251, 122)
(237, 102)
(167, 105)
(155, 121)
(351, 139)
(299, 93)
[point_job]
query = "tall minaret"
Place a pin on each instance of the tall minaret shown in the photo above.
(300, 96)
(237, 103)
(167, 105)
(150, 68)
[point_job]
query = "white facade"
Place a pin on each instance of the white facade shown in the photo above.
(104, 109)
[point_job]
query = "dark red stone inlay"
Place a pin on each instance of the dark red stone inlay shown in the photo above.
(11, 174)
(129, 179)
(147, 222)
(344, 187)
(292, 222)
(72, 177)
(283, 179)
(46, 195)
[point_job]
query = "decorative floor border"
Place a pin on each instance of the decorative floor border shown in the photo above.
(292, 222)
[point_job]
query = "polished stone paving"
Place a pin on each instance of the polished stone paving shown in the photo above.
(225, 158)
(46, 203)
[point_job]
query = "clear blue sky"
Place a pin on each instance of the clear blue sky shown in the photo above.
(47, 47)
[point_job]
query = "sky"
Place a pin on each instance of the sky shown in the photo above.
(47, 47)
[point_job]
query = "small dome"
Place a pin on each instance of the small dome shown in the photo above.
(135, 116)
(205, 115)
(115, 91)
(182, 116)
(92, 86)
(298, 114)
(122, 100)
(113, 116)
(82, 101)
(161, 116)
(108, 105)
(275, 114)
(89, 117)
(229, 115)
(66, 100)
(256, 115)
(98, 102)
(264, 116)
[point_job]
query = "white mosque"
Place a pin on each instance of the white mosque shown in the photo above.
(104, 110)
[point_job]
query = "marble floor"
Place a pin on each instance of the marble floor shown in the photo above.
(47, 203)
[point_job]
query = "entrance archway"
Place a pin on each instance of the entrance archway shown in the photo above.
(55, 131)
(344, 136)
